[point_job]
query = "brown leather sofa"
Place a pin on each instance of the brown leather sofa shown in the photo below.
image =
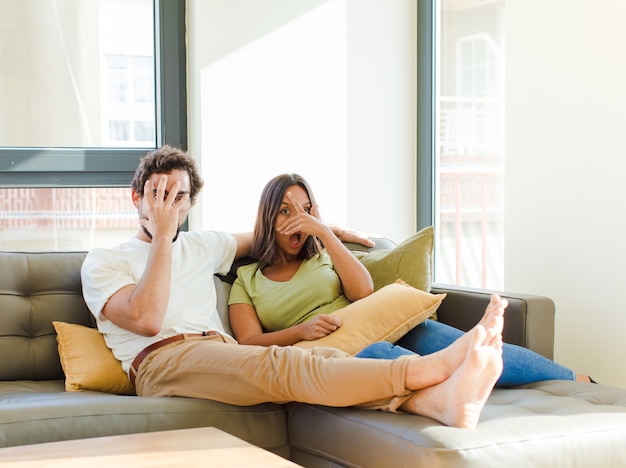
(544, 424)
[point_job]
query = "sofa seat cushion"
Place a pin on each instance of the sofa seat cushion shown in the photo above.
(35, 412)
(552, 423)
(11, 387)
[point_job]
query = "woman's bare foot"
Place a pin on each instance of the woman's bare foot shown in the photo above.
(436, 367)
(459, 400)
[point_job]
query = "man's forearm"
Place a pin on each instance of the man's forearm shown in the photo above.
(244, 244)
(141, 308)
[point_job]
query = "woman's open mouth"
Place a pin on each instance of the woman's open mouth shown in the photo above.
(294, 239)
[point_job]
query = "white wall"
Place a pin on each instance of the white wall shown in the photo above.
(565, 105)
(565, 173)
(320, 87)
(565, 168)
(382, 116)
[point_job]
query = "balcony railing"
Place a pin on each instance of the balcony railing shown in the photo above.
(470, 193)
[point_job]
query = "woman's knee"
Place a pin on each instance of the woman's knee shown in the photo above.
(383, 350)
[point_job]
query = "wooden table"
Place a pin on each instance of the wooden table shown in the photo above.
(205, 446)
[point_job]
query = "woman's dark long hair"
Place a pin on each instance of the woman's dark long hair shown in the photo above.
(264, 247)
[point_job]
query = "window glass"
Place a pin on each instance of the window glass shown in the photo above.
(65, 218)
(72, 70)
(469, 182)
(76, 75)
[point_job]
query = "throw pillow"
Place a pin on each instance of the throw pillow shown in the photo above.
(411, 261)
(87, 361)
(385, 315)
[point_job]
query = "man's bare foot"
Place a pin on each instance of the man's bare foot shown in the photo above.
(492, 321)
(495, 308)
(443, 363)
(459, 400)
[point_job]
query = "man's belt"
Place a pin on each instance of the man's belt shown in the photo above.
(159, 344)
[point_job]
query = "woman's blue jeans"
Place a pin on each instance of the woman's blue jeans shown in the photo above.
(521, 365)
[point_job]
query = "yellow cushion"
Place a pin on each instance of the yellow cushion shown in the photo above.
(87, 361)
(411, 260)
(385, 315)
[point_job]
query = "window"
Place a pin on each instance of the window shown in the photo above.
(65, 218)
(129, 105)
(461, 133)
(83, 99)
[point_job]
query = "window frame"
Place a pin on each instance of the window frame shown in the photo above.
(34, 167)
(426, 111)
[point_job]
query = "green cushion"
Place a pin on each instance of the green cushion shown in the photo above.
(410, 261)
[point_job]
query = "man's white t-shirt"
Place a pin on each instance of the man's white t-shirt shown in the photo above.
(196, 257)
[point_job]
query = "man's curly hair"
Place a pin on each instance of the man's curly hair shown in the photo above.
(164, 160)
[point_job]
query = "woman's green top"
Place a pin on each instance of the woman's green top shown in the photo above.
(315, 289)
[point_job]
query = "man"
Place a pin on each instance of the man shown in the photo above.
(155, 303)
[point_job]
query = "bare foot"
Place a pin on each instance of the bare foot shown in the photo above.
(583, 378)
(495, 308)
(442, 364)
(492, 321)
(459, 400)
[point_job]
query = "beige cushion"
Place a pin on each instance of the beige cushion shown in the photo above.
(88, 363)
(411, 261)
(385, 315)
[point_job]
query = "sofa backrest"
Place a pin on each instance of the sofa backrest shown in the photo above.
(36, 289)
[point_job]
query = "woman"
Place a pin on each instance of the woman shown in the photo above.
(304, 273)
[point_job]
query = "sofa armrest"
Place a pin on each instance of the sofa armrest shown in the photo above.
(528, 321)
